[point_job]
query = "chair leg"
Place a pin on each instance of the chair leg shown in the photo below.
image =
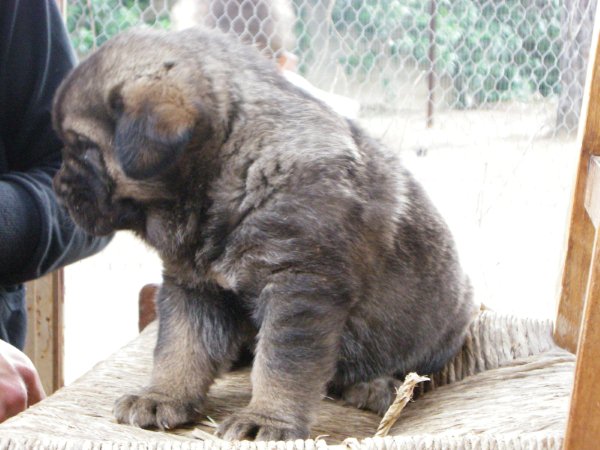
(147, 305)
(45, 328)
(581, 228)
(583, 429)
(577, 324)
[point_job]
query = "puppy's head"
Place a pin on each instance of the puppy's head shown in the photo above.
(127, 116)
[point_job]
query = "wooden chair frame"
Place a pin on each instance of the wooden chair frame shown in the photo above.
(577, 326)
(45, 331)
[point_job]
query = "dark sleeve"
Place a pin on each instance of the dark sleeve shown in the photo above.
(36, 235)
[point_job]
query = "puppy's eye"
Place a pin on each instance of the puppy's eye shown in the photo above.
(83, 143)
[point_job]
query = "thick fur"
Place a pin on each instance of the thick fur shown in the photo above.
(283, 228)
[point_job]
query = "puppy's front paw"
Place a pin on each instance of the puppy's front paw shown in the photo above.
(154, 410)
(250, 424)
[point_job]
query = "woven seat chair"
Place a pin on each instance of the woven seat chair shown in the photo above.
(508, 388)
(516, 384)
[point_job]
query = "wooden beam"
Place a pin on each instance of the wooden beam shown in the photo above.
(583, 428)
(45, 336)
(147, 305)
(581, 230)
(579, 310)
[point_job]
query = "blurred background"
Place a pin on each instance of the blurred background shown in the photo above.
(480, 98)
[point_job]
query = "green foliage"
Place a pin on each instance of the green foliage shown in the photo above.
(92, 22)
(491, 50)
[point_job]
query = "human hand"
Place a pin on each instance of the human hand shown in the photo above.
(20, 384)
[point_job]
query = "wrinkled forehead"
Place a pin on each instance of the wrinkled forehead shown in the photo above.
(81, 101)
(78, 104)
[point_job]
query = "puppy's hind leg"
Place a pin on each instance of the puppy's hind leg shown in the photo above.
(376, 395)
(200, 334)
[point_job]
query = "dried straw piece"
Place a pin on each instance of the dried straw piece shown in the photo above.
(403, 395)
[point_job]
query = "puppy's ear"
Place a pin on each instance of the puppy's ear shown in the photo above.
(154, 124)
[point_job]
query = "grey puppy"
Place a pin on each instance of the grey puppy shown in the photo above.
(282, 227)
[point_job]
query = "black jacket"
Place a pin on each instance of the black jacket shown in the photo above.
(36, 235)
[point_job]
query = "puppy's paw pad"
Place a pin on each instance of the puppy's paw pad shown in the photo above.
(247, 425)
(154, 410)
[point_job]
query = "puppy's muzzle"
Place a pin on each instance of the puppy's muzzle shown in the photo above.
(83, 187)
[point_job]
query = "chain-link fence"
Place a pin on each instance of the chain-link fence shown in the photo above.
(392, 55)
(488, 90)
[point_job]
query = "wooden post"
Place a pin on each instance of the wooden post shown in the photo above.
(147, 305)
(581, 229)
(45, 336)
(577, 323)
(583, 430)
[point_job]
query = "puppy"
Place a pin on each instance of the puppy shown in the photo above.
(282, 228)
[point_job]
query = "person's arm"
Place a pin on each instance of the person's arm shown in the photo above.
(36, 235)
